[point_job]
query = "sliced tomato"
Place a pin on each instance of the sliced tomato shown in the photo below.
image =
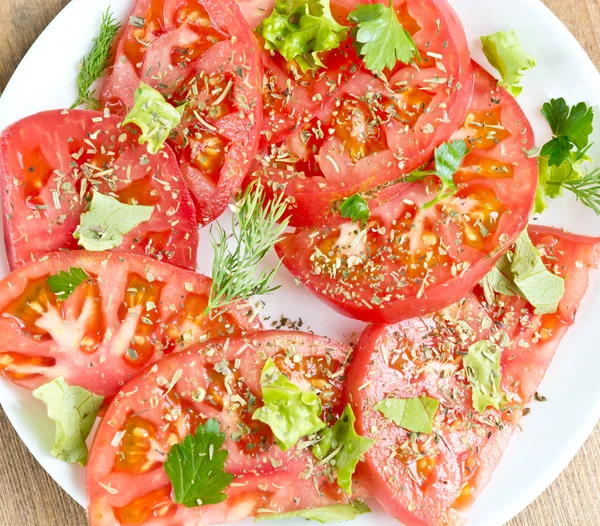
(412, 259)
(51, 162)
(129, 313)
(221, 379)
(200, 53)
(373, 129)
(426, 479)
(255, 11)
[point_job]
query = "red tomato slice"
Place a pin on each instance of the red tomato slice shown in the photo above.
(202, 53)
(51, 162)
(126, 480)
(131, 312)
(372, 131)
(427, 479)
(412, 260)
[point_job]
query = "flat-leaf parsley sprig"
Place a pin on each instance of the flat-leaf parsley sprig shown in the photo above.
(97, 61)
(256, 227)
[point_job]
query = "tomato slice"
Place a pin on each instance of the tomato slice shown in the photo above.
(426, 479)
(412, 259)
(51, 162)
(126, 480)
(132, 311)
(201, 53)
(372, 130)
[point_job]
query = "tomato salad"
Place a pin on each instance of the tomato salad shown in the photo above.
(393, 176)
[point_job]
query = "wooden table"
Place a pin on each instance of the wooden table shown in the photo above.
(31, 498)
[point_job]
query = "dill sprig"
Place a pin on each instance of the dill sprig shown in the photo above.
(256, 227)
(587, 190)
(97, 61)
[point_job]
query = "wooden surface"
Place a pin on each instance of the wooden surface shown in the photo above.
(31, 498)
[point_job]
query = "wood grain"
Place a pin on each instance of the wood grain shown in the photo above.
(31, 498)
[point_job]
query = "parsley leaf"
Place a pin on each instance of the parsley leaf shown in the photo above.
(324, 515)
(342, 447)
(97, 61)
(482, 364)
(523, 273)
(356, 209)
(505, 53)
(196, 467)
(64, 283)
(300, 30)
(103, 226)
(74, 412)
(154, 116)
(571, 128)
(290, 412)
(380, 38)
(449, 157)
(412, 414)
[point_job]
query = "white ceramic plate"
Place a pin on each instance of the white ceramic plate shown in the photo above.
(555, 430)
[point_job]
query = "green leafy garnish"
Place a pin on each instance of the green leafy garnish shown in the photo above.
(587, 189)
(449, 157)
(356, 209)
(571, 128)
(505, 53)
(324, 515)
(482, 364)
(380, 38)
(523, 273)
(74, 412)
(342, 447)
(103, 226)
(290, 412)
(96, 62)
(64, 283)
(256, 227)
(154, 116)
(196, 467)
(412, 414)
(300, 30)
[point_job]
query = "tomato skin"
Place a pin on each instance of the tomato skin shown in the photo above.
(269, 479)
(327, 171)
(413, 259)
(423, 356)
(207, 39)
(133, 311)
(43, 161)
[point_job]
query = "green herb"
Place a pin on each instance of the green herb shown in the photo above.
(103, 226)
(64, 283)
(505, 53)
(571, 128)
(482, 364)
(256, 226)
(290, 412)
(449, 157)
(523, 273)
(324, 515)
(412, 414)
(587, 190)
(380, 38)
(154, 116)
(356, 209)
(300, 30)
(95, 64)
(195, 467)
(342, 447)
(74, 412)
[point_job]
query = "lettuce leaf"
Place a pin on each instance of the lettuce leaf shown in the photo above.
(482, 364)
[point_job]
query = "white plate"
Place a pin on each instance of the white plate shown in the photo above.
(554, 431)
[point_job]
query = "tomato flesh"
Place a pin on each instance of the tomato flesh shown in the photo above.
(219, 379)
(129, 313)
(200, 53)
(427, 479)
(415, 257)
